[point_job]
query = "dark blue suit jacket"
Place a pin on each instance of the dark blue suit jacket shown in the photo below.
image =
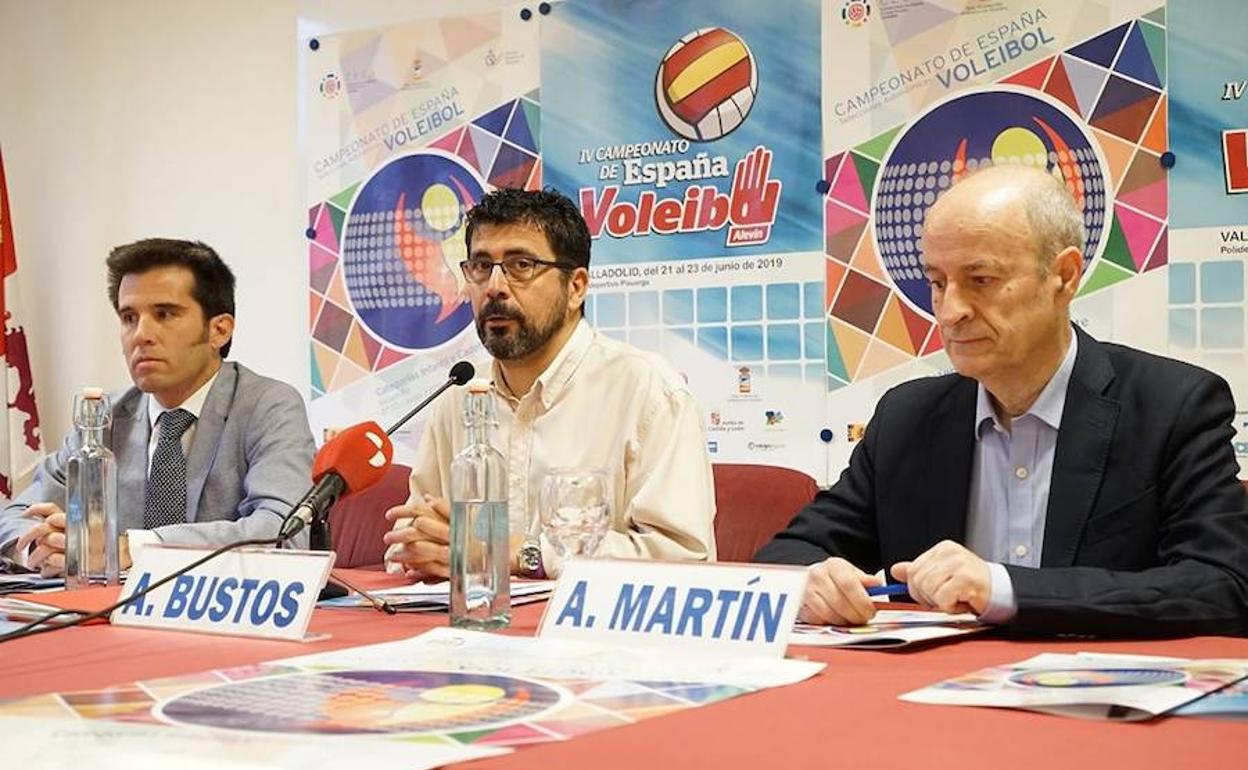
(1146, 531)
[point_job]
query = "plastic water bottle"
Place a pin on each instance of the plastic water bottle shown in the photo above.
(480, 557)
(91, 546)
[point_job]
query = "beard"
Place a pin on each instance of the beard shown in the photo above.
(526, 337)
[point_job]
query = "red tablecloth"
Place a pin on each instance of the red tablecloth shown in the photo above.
(847, 716)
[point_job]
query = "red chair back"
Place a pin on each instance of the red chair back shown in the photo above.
(753, 503)
(357, 522)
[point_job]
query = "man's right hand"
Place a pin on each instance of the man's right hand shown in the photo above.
(836, 594)
(422, 544)
(48, 537)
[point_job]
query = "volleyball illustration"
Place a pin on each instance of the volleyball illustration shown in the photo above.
(706, 84)
(979, 128)
(402, 244)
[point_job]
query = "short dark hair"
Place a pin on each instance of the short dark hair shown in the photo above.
(549, 211)
(213, 280)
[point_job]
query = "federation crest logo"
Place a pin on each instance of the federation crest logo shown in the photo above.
(856, 13)
(706, 84)
(331, 86)
(969, 131)
(402, 245)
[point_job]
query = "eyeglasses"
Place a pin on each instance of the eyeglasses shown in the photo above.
(516, 269)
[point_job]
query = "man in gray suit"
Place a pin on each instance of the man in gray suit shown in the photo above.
(208, 452)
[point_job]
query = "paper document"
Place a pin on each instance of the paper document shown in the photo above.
(448, 649)
(422, 597)
(28, 582)
(1228, 703)
(889, 628)
(1090, 686)
(39, 744)
(22, 610)
(441, 697)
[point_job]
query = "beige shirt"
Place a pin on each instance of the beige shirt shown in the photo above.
(600, 404)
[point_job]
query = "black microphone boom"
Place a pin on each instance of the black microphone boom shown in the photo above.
(460, 373)
(315, 503)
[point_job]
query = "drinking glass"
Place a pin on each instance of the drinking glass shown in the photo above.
(574, 511)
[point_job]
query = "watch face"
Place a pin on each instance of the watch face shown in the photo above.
(530, 558)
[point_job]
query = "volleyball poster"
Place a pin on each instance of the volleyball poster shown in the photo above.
(689, 138)
(1087, 685)
(685, 129)
(444, 696)
(925, 93)
(1206, 322)
(407, 127)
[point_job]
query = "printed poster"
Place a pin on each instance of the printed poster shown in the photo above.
(407, 127)
(688, 134)
(918, 94)
(1209, 187)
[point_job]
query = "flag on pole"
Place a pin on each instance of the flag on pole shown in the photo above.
(20, 442)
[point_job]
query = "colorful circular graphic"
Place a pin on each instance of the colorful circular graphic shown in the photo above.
(954, 138)
(402, 245)
(364, 702)
(1099, 677)
(706, 84)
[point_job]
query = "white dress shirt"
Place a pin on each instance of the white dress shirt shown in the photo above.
(138, 539)
(600, 404)
(194, 404)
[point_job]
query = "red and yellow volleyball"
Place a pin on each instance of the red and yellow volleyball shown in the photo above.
(706, 84)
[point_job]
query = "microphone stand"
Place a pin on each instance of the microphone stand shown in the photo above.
(319, 540)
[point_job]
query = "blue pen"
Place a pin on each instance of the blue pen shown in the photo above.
(891, 589)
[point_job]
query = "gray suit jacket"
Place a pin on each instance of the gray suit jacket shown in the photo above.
(248, 464)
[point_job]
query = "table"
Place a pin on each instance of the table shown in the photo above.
(846, 716)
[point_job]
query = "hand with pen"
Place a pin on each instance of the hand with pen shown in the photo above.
(947, 577)
(836, 594)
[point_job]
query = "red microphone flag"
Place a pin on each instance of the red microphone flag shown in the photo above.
(360, 454)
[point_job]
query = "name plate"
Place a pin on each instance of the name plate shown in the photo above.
(247, 592)
(729, 609)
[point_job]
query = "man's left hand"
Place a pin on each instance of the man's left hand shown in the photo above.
(947, 577)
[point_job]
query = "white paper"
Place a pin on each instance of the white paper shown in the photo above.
(1083, 685)
(889, 628)
(437, 596)
(449, 649)
(36, 744)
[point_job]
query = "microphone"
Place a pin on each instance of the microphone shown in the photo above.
(355, 459)
(460, 373)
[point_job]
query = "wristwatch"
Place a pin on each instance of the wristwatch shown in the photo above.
(529, 560)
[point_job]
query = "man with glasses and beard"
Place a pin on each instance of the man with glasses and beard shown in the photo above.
(566, 397)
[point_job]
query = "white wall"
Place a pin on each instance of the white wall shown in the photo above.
(124, 119)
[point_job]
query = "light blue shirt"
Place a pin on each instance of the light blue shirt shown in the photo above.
(1010, 477)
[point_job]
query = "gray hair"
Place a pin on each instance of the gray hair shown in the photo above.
(1056, 222)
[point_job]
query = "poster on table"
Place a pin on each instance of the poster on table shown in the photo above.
(442, 697)
(406, 127)
(916, 95)
(1209, 187)
(688, 135)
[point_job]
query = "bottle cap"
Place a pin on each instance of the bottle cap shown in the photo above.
(479, 386)
(94, 394)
